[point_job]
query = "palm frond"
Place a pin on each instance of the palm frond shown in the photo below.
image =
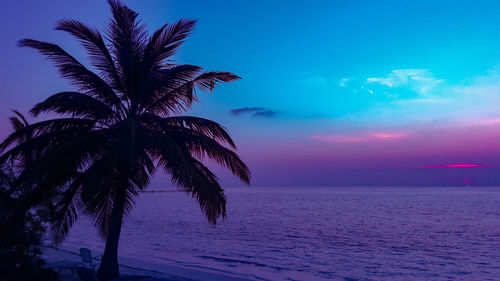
(76, 104)
(16, 124)
(93, 41)
(68, 208)
(207, 127)
(194, 135)
(209, 193)
(99, 185)
(192, 176)
(73, 70)
(7, 176)
(202, 146)
(21, 117)
(128, 37)
(47, 127)
(162, 81)
(181, 97)
(175, 101)
(207, 81)
(165, 42)
(60, 162)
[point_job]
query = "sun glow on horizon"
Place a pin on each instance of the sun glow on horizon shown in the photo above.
(460, 165)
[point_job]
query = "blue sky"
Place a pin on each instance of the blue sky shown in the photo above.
(364, 77)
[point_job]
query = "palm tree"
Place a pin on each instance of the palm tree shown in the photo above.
(121, 125)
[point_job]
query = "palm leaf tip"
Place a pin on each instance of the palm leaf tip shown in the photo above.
(25, 42)
(18, 121)
(208, 80)
(244, 173)
(21, 116)
(15, 123)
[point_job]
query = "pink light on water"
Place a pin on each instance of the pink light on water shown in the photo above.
(468, 182)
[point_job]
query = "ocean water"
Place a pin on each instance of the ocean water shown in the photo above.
(339, 233)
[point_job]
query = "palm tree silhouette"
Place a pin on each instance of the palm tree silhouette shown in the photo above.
(121, 125)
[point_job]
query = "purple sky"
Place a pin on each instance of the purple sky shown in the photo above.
(334, 93)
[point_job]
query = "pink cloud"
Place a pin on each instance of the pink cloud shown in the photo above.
(461, 165)
(488, 122)
(362, 137)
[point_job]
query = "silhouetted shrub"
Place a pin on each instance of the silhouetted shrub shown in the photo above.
(20, 252)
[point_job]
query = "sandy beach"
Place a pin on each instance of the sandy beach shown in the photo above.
(133, 269)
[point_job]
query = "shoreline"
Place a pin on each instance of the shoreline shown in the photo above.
(150, 270)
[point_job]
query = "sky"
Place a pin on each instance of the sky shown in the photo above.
(403, 93)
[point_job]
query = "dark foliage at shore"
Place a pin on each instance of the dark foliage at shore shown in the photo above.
(20, 252)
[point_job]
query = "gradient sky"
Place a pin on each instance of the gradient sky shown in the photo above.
(333, 92)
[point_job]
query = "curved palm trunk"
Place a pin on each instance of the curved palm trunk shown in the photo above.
(108, 269)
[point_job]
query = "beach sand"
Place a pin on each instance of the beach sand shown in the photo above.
(133, 269)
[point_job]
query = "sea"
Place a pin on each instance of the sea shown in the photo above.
(318, 233)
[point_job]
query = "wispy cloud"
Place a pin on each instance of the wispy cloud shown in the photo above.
(344, 81)
(255, 112)
(366, 89)
(370, 136)
(409, 95)
(420, 80)
(417, 95)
